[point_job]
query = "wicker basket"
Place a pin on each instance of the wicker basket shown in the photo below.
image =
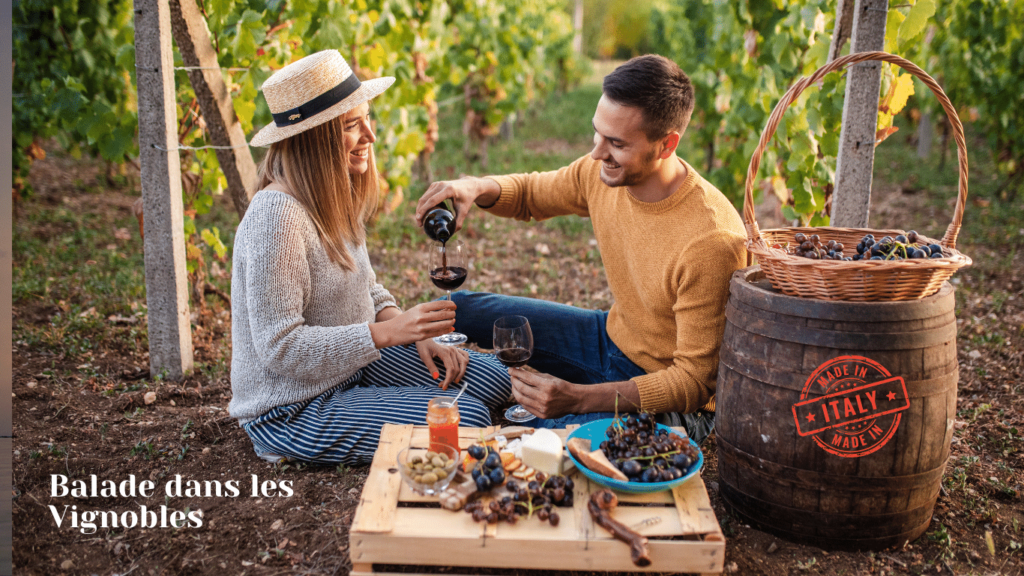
(861, 280)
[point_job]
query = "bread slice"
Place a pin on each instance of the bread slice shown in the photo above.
(594, 460)
(578, 446)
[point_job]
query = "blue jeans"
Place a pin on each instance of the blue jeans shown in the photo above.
(569, 343)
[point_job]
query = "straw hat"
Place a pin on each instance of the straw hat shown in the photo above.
(312, 91)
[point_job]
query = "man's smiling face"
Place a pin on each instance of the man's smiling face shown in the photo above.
(626, 155)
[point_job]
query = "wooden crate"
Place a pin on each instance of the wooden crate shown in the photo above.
(393, 525)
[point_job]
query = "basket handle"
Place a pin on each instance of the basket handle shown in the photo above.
(949, 240)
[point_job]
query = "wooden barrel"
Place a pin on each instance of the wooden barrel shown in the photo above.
(835, 418)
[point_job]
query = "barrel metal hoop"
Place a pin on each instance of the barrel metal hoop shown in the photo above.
(881, 326)
(840, 340)
(761, 370)
(783, 475)
(804, 533)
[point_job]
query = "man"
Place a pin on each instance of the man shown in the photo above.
(669, 241)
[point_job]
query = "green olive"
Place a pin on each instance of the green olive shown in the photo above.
(441, 474)
(437, 461)
(415, 460)
(429, 478)
(429, 456)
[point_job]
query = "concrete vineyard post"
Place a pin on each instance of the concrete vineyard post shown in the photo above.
(852, 199)
(170, 333)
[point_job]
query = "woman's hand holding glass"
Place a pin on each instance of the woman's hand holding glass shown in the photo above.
(420, 322)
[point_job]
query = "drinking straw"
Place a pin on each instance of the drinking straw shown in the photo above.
(464, 386)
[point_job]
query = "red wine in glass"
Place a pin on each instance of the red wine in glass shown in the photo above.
(513, 346)
(447, 265)
(448, 279)
(514, 357)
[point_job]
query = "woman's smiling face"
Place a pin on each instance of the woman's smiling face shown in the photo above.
(359, 137)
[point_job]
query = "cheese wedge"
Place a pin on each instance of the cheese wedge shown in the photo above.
(543, 452)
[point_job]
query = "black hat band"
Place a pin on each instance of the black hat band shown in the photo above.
(318, 104)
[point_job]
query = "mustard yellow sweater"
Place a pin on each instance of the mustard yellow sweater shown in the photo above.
(668, 265)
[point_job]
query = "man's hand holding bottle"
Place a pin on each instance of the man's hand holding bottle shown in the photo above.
(463, 193)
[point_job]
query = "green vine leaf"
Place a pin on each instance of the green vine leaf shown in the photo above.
(916, 20)
(250, 32)
(211, 236)
(893, 22)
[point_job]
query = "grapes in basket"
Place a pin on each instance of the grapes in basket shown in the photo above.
(812, 247)
(899, 247)
(646, 453)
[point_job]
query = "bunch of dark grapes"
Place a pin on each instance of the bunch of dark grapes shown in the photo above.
(540, 496)
(645, 453)
(812, 247)
(898, 248)
(488, 471)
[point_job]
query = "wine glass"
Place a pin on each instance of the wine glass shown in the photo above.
(513, 345)
(447, 264)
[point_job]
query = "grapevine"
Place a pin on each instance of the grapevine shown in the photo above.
(976, 48)
(75, 78)
(742, 56)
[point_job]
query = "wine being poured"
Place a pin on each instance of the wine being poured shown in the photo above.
(439, 225)
(447, 266)
(444, 276)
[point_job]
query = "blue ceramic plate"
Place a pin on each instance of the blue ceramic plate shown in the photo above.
(595, 432)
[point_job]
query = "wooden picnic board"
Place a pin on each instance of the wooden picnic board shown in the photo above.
(394, 525)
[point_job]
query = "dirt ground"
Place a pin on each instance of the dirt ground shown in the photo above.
(84, 411)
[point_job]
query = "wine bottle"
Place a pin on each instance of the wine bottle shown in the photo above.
(439, 223)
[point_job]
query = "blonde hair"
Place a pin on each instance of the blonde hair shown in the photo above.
(314, 166)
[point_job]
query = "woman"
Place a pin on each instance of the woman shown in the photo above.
(322, 355)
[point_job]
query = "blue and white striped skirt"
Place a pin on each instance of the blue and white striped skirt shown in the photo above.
(343, 424)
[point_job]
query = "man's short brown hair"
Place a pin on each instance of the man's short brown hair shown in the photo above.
(659, 88)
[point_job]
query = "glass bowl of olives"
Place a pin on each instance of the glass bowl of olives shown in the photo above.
(429, 472)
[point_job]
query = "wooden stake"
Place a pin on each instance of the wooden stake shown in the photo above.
(843, 28)
(577, 25)
(196, 48)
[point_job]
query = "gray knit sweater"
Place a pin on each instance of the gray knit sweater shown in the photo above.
(299, 323)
